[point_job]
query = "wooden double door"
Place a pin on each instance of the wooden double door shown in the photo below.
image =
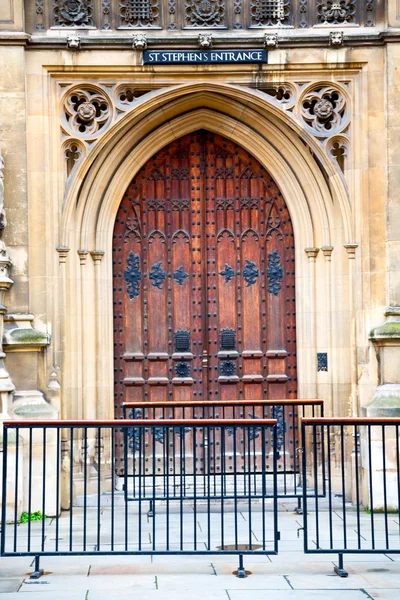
(204, 279)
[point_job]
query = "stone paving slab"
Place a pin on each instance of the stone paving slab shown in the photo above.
(220, 582)
(379, 594)
(296, 595)
(10, 584)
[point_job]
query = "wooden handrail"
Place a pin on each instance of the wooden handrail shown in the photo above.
(202, 403)
(143, 422)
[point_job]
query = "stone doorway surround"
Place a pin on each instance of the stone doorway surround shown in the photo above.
(316, 196)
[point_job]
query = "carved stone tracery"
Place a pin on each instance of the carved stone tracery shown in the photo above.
(86, 111)
(266, 13)
(323, 110)
(139, 13)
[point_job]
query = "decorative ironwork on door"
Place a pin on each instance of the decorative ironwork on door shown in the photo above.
(204, 279)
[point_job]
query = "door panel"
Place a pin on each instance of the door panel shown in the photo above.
(204, 296)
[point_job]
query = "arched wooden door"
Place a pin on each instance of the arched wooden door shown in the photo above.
(204, 279)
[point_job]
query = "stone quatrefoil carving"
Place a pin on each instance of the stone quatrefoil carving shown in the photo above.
(89, 110)
(323, 109)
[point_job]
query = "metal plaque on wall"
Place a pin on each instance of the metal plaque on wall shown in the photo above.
(207, 57)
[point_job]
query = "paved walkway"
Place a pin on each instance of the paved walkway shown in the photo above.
(291, 575)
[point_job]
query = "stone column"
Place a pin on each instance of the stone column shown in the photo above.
(386, 340)
(312, 390)
(385, 403)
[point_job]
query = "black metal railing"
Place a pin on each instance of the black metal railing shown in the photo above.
(361, 459)
(69, 464)
(287, 412)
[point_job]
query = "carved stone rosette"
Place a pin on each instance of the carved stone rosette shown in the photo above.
(86, 111)
(323, 109)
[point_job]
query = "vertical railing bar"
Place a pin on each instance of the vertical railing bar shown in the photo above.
(71, 484)
(29, 490)
(182, 470)
(4, 486)
(16, 486)
(142, 441)
(246, 430)
(398, 473)
(321, 409)
(57, 485)
(263, 483)
(371, 493)
(294, 449)
(284, 448)
(235, 487)
(167, 500)
(112, 486)
(304, 482)
(385, 486)
(98, 487)
(124, 432)
(44, 488)
(85, 440)
(222, 429)
(357, 486)
(328, 436)
(209, 483)
(275, 483)
(343, 486)
(194, 483)
(315, 452)
(323, 458)
(153, 495)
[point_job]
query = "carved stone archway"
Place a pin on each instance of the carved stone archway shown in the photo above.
(311, 184)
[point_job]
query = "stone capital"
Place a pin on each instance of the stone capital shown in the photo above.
(327, 252)
(62, 254)
(83, 254)
(351, 250)
(97, 256)
(311, 253)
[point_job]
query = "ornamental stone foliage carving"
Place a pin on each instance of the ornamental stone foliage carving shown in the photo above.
(323, 110)
(139, 13)
(73, 13)
(335, 13)
(205, 13)
(87, 111)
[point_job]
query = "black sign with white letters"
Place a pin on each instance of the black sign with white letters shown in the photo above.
(204, 57)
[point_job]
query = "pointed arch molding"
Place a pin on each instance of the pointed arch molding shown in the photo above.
(311, 183)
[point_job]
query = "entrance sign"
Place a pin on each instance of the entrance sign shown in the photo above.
(201, 57)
